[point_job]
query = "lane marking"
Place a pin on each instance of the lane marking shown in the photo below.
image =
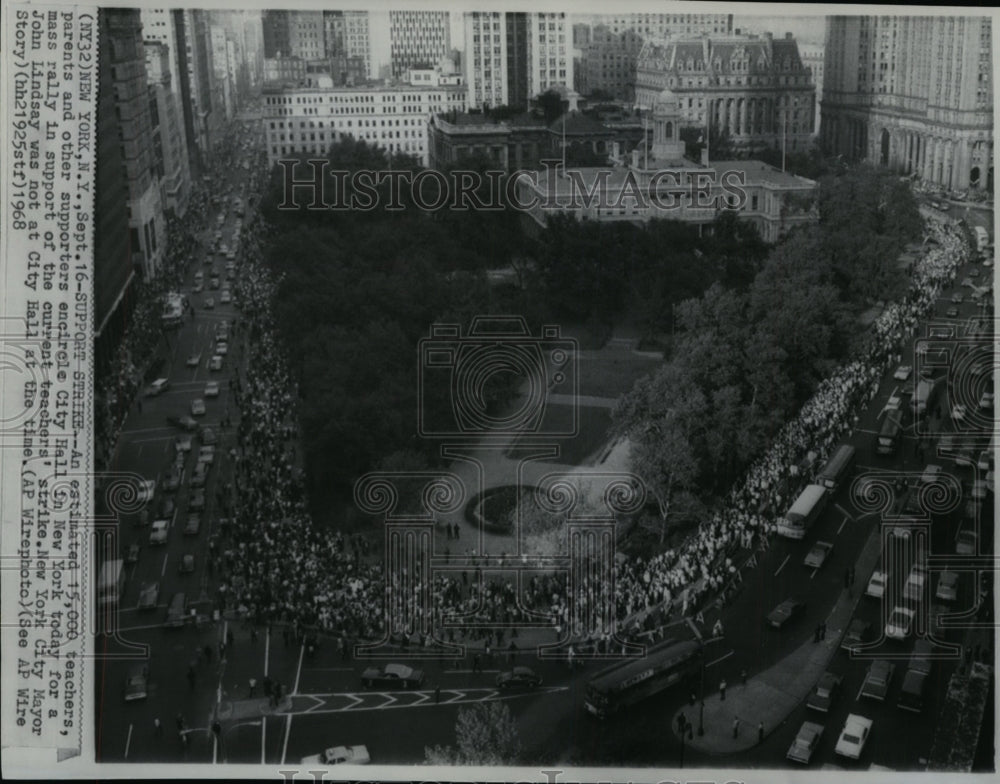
(843, 511)
(813, 573)
(163, 571)
(263, 724)
(128, 740)
(782, 565)
(842, 524)
(288, 720)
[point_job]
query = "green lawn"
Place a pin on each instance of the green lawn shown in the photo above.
(592, 431)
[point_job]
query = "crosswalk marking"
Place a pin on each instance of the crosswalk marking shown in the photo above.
(343, 702)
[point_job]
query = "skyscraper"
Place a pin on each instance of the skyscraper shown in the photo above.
(914, 93)
(550, 52)
(418, 39)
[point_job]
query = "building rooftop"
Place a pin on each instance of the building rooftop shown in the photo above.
(758, 171)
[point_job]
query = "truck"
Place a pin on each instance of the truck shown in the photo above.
(892, 429)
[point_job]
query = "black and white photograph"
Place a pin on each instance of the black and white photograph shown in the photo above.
(561, 391)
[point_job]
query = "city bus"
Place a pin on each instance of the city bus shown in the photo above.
(837, 468)
(803, 513)
(982, 238)
(111, 586)
(892, 429)
(627, 682)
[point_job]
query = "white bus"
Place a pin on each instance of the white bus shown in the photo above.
(111, 586)
(982, 238)
(803, 513)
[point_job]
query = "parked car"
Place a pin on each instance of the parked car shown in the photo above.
(911, 698)
(158, 534)
(149, 594)
(854, 736)
(184, 423)
(132, 556)
(900, 622)
(222, 349)
(187, 564)
(193, 360)
(947, 587)
(921, 660)
(805, 742)
(136, 683)
(225, 297)
(876, 585)
(876, 684)
(825, 692)
(857, 633)
(817, 556)
(182, 444)
(209, 301)
(913, 590)
(215, 363)
(167, 507)
(206, 455)
(176, 611)
(212, 389)
(197, 407)
(957, 298)
(785, 612)
(519, 678)
(392, 675)
(208, 436)
(951, 312)
(200, 475)
(193, 525)
(903, 372)
(340, 755)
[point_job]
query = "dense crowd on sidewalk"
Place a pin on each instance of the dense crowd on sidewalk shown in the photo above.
(281, 568)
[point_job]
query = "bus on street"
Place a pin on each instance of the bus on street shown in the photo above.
(627, 682)
(111, 586)
(803, 513)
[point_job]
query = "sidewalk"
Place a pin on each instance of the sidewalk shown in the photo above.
(770, 696)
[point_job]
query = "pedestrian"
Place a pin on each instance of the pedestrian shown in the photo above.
(268, 686)
(180, 722)
(743, 676)
(157, 728)
(760, 732)
(191, 677)
(681, 722)
(139, 403)
(736, 727)
(208, 653)
(722, 690)
(253, 686)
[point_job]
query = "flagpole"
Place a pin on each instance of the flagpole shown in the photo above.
(564, 143)
(784, 132)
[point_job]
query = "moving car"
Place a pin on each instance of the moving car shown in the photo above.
(876, 684)
(200, 475)
(222, 349)
(340, 755)
(856, 633)
(197, 502)
(947, 587)
(197, 407)
(193, 525)
(184, 423)
(136, 683)
(825, 692)
(187, 564)
(958, 411)
(903, 372)
(805, 742)
(911, 698)
(854, 736)
(900, 622)
(158, 387)
(876, 585)
(158, 535)
(392, 675)
(913, 590)
(965, 542)
(212, 389)
(951, 312)
(215, 363)
(176, 611)
(225, 297)
(208, 436)
(167, 507)
(986, 401)
(817, 556)
(173, 479)
(132, 556)
(193, 360)
(209, 303)
(149, 594)
(519, 677)
(206, 455)
(182, 443)
(957, 298)
(785, 612)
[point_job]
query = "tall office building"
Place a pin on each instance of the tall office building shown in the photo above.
(114, 272)
(512, 57)
(195, 72)
(418, 39)
(550, 52)
(753, 88)
(813, 58)
(914, 93)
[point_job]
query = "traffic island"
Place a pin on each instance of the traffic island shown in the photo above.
(772, 695)
(242, 710)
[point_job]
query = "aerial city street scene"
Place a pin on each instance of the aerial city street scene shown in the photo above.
(542, 388)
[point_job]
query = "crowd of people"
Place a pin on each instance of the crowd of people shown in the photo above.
(274, 565)
(280, 568)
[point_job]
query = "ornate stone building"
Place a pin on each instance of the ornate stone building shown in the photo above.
(754, 88)
(912, 93)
